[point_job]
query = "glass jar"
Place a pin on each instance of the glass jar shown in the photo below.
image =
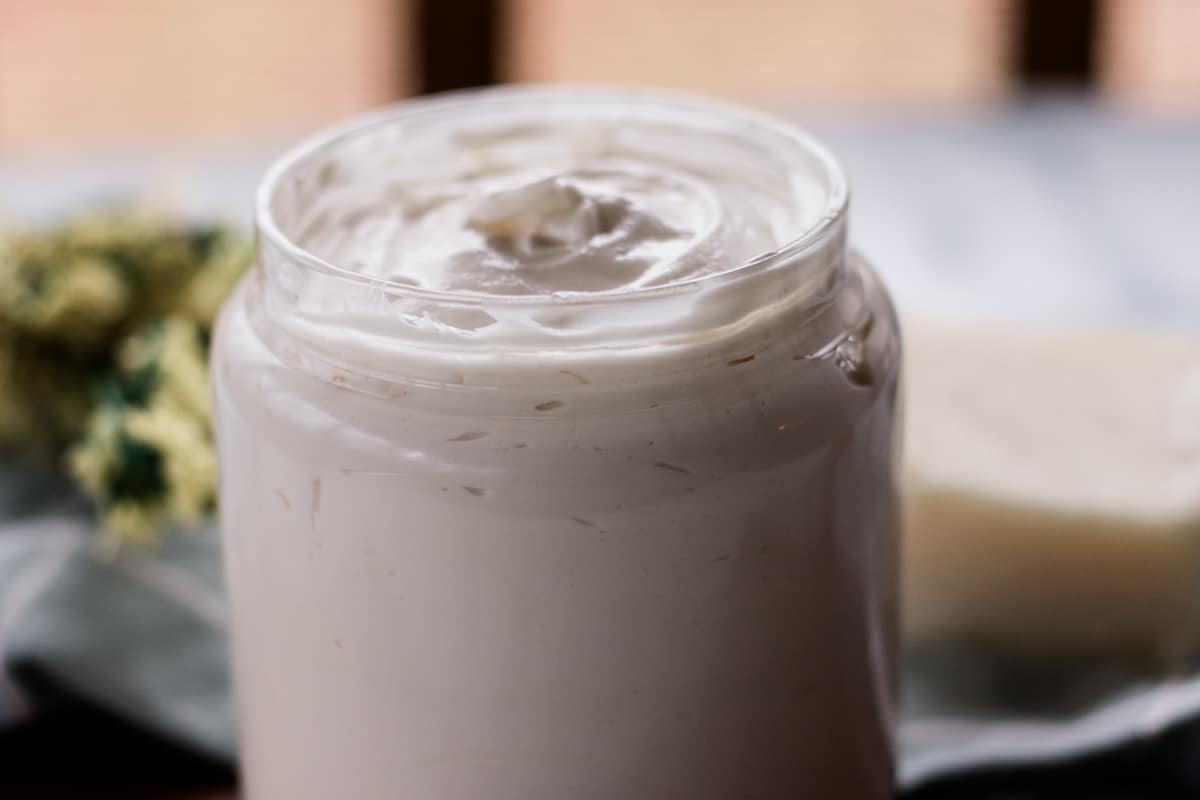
(634, 544)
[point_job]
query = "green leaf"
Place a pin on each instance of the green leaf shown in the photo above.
(140, 473)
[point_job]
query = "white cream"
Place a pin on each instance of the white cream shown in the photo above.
(602, 211)
(547, 498)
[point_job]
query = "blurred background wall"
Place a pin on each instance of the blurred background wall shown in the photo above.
(77, 72)
(83, 73)
(929, 51)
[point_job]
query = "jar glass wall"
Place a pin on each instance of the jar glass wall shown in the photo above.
(633, 542)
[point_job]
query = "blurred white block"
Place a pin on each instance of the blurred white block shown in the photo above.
(1053, 489)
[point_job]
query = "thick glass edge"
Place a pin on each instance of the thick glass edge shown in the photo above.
(813, 238)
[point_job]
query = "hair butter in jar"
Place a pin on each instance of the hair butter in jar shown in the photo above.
(557, 450)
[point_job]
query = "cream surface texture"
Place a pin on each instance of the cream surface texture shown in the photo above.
(600, 210)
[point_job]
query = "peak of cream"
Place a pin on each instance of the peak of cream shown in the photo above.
(582, 206)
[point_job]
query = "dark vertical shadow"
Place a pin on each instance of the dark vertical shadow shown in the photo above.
(458, 43)
(1056, 42)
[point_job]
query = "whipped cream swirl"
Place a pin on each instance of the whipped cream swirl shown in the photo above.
(555, 207)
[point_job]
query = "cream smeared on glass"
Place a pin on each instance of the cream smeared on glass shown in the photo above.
(547, 208)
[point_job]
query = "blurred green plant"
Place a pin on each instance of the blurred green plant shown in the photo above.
(104, 329)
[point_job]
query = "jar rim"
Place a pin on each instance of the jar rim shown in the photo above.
(824, 227)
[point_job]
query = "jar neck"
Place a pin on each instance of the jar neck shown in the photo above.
(382, 331)
(369, 325)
